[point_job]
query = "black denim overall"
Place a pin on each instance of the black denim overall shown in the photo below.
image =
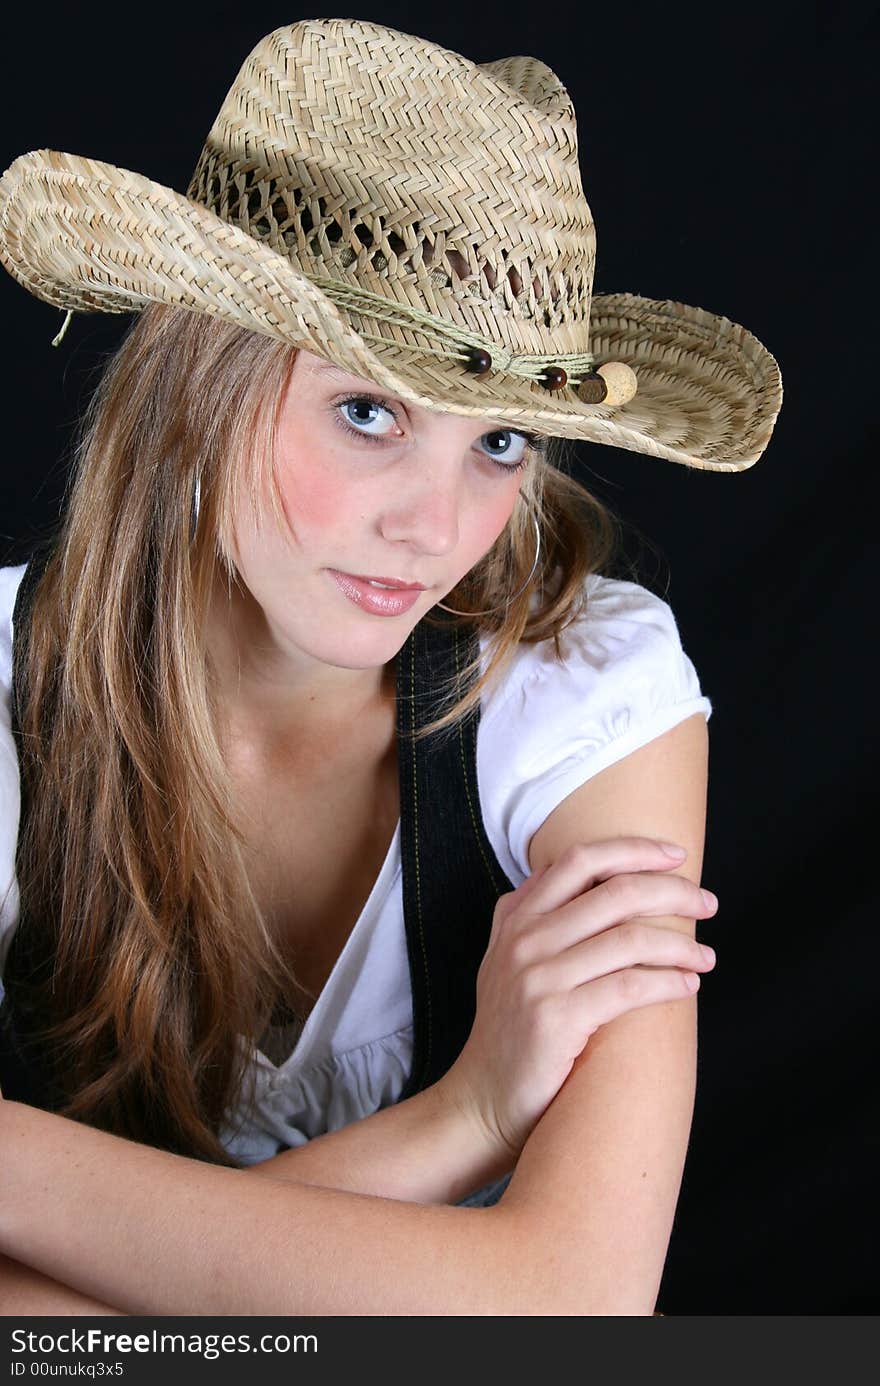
(451, 876)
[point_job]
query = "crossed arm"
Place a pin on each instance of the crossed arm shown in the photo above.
(92, 1223)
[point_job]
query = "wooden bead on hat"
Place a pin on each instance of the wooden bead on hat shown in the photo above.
(592, 389)
(621, 380)
(479, 361)
(612, 383)
(554, 378)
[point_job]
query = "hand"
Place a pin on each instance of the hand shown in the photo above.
(564, 957)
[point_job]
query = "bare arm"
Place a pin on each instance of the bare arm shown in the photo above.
(583, 1228)
(429, 1149)
(26, 1291)
(604, 1165)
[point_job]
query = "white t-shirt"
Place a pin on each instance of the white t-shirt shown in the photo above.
(543, 732)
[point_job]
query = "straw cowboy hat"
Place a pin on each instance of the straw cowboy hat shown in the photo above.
(418, 219)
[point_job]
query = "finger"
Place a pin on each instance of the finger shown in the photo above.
(606, 905)
(623, 899)
(584, 865)
(616, 950)
(596, 1003)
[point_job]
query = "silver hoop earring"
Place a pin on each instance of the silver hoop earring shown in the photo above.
(194, 514)
(503, 605)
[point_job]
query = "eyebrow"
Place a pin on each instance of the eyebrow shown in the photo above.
(328, 368)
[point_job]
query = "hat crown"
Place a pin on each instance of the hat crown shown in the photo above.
(371, 156)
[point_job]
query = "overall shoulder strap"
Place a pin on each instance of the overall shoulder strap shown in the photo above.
(451, 877)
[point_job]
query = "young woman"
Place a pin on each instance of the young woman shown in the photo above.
(352, 819)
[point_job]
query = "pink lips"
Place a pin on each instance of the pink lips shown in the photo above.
(378, 601)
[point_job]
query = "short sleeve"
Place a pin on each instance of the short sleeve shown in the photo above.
(10, 788)
(623, 680)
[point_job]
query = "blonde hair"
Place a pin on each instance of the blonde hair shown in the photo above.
(157, 958)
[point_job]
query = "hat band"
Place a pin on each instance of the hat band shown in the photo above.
(361, 301)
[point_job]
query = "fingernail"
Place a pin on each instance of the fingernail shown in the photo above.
(672, 849)
(709, 899)
(708, 953)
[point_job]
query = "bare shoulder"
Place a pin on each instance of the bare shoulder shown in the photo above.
(658, 791)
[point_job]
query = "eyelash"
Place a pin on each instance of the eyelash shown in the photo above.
(534, 441)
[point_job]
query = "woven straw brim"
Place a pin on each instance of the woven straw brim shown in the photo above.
(88, 236)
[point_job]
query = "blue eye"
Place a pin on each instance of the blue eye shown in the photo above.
(510, 436)
(362, 405)
(365, 405)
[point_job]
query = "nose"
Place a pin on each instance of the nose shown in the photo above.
(425, 514)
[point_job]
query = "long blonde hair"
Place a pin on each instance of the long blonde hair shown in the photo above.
(130, 862)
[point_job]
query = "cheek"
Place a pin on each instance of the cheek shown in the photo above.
(490, 519)
(316, 500)
(316, 491)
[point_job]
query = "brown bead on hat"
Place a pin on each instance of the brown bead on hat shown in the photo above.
(612, 383)
(418, 219)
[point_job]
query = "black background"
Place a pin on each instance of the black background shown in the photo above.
(727, 157)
